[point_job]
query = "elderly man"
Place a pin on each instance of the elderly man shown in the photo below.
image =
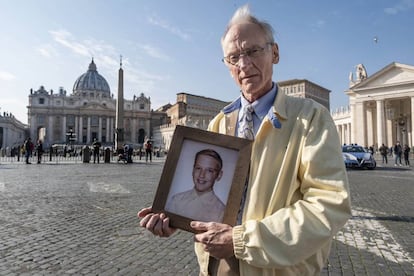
(297, 194)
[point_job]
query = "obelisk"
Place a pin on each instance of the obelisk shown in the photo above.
(119, 124)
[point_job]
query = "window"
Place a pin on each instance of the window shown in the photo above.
(141, 106)
(70, 120)
(94, 121)
(40, 119)
(41, 100)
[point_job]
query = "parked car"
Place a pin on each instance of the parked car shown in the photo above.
(357, 157)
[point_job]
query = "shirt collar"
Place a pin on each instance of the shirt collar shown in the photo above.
(262, 105)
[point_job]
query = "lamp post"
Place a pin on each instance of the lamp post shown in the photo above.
(71, 137)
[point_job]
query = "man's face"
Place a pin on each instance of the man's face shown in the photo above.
(252, 75)
(205, 172)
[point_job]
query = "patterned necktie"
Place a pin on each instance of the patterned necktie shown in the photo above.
(246, 123)
(245, 131)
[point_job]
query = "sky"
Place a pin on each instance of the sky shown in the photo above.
(169, 47)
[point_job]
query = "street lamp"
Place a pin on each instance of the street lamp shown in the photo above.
(71, 136)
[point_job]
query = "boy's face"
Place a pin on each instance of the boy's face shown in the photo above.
(205, 172)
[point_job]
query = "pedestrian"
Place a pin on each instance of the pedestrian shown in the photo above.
(397, 153)
(96, 145)
(371, 150)
(407, 155)
(39, 151)
(297, 196)
(28, 148)
(148, 151)
(384, 152)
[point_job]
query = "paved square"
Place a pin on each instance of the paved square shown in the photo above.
(80, 219)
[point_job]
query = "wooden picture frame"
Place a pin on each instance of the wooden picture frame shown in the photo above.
(177, 174)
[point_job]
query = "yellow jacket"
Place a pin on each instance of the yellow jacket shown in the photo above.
(298, 195)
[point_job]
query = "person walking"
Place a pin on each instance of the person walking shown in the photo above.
(39, 151)
(148, 151)
(407, 155)
(397, 153)
(384, 152)
(28, 148)
(96, 145)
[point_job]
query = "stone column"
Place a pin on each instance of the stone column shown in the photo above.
(108, 129)
(134, 137)
(343, 140)
(76, 130)
(380, 122)
(359, 125)
(80, 139)
(49, 131)
(112, 130)
(64, 128)
(338, 130)
(353, 122)
(100, 128)
(88, 131)
(412, 122)
(370, 123)
(389, 127)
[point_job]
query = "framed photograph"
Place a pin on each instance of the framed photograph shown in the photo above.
(203, 178)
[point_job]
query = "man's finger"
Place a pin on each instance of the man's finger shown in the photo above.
(145, 211)
(199, 225)
(144, 221)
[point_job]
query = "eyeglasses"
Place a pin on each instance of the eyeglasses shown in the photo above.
(253, 53)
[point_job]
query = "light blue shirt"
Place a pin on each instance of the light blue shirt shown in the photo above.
(261, 108)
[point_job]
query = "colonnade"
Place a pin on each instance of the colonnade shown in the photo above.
(374, 122)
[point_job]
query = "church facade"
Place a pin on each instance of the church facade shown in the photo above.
(381, 108)
(86, 114)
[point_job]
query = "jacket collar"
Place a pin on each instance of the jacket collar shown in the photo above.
(275, 114)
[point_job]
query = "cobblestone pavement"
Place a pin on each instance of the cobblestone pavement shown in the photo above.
(70, 218)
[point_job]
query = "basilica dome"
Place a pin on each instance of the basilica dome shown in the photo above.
(91, 81)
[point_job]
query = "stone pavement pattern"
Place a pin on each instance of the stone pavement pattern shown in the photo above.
(80, 219)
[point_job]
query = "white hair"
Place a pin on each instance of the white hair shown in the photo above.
(243, 15)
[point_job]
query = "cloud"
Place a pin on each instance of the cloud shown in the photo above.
(154, 20)
(65, 38)
(402, 6)
(47, 51)
(6, 76)
(88, 48)
(320, 23)
(107, 58)
(154, 52)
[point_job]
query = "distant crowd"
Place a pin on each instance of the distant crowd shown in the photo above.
(34, 151)
(399, 152)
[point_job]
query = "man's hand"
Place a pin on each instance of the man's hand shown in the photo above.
(216, 237)
(158, 224)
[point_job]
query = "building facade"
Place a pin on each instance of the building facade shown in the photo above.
(303, 88)
(12, 134)
(197, 111)
(381, 107)
(88, 113)
(189, 110)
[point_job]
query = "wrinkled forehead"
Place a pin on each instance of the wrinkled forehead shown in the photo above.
(242, 36)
